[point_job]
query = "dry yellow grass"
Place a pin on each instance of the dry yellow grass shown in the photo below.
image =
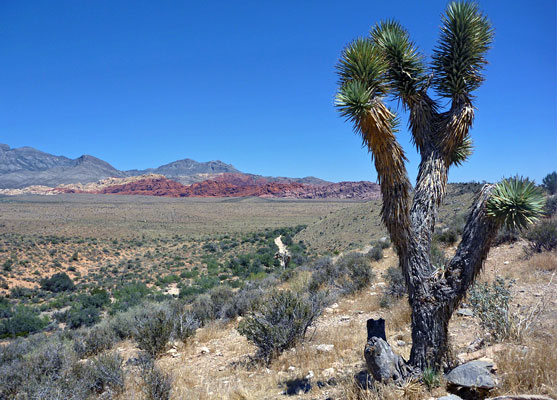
(543, 262)
(531, 368)
(225, 373)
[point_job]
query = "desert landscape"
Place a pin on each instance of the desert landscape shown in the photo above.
(278, 200)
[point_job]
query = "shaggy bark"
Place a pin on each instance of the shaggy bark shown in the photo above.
(434, 297)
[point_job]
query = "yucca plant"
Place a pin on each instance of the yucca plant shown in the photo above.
(388, 63)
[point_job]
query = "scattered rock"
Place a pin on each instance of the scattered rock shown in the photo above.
(400, 343)
(325, 348)
(472, 376)
(506, 263)
(297, 386)
(204, 350)
(344, 318)
(450, 397)
(309, 375)
(466, 312)
(334, 305)
(292, 368)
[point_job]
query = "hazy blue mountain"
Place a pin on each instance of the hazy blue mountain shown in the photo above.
(26, 166)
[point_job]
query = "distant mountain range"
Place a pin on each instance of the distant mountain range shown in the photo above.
(25, 166)
(26, 170)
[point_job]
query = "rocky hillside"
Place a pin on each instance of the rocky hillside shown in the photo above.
(25, 166)
(227, 185)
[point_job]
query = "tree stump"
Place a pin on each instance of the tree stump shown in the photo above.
(382, 362)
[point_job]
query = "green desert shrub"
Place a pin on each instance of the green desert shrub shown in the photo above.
(157, 384)
(506, 235)
(375, 253)
(551, 206)
(59, 282)
(95, 340)
(105, 372)
(21, 320)
(129, 296)
(153, 329)
(490, 303)
(543, 236)
(448, 236)
(280, 323)
(396, 286)
(549, 182)
(349, 274)
(184, 322)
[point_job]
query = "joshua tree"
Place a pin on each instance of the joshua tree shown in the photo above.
(388, 63)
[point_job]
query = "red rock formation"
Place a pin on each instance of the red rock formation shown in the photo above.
(228, 185)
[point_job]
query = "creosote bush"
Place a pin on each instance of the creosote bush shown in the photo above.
(281, 322)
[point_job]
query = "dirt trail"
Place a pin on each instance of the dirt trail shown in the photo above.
(282, 252)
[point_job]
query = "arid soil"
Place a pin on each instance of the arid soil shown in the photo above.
(215, 365)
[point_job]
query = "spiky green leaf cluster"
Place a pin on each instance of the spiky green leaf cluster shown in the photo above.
(406, 69)
(516, 203)
(361, 72)
(462, 152)
(466, 36)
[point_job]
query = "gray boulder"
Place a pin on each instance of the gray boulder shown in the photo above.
(473, 375)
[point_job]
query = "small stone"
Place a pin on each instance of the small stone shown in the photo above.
(450, 397)
(204, 350)
(466, 312)
(328, 372)
(292, 368)
(373, 293)
(400, 343)
(344, 318)
(172, 351)
(325, 348)
(506, 263)
(309, 375)
(329, 310)
(334, 305)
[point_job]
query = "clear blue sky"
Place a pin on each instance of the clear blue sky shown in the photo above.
(143, 83)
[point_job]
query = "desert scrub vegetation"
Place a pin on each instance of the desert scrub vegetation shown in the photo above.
(349, 274)
(42, 273)
(280, 322)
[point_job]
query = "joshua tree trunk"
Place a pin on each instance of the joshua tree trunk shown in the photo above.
(388, 62)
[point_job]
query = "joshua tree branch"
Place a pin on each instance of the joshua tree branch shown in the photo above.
(478, 235)
(377, 132)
